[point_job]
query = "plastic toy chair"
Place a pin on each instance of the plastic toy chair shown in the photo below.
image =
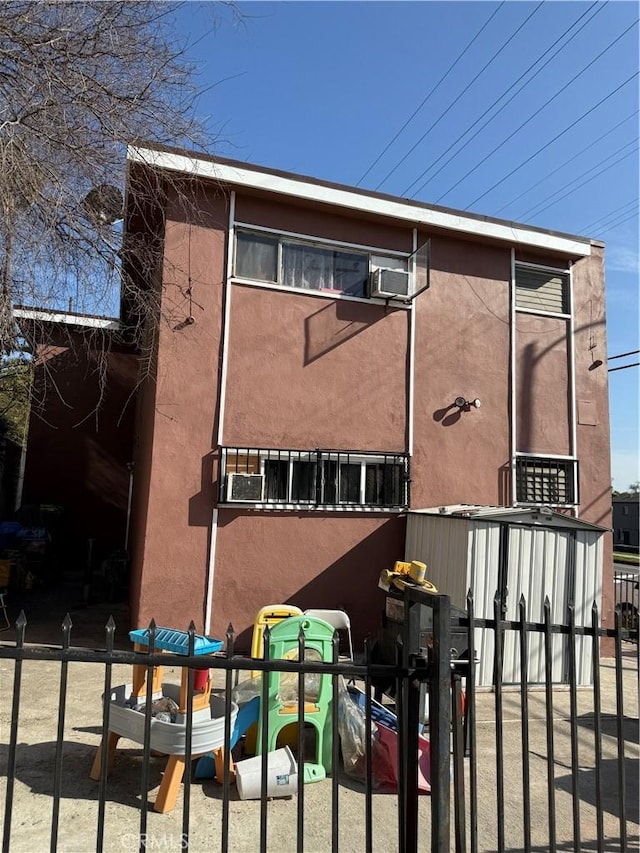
(281, 712)
(339, 620)
(269, 615)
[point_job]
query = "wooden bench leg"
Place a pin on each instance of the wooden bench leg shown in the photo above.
(170, 785)
(96, 769)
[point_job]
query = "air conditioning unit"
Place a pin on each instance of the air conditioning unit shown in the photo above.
(245, 487)
(389, 284)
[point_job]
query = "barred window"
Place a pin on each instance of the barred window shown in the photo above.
(545, 481)
(318, 478)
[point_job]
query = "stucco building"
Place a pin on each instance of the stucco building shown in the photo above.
(324, 359)
(313, 342)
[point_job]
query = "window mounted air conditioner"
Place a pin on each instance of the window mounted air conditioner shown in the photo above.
(245, 487)
(390, 284)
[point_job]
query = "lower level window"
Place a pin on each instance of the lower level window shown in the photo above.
(546, 481)
(318, 477)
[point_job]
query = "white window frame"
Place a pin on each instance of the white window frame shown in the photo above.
(572, 460)
(542, 267)
(376, 252)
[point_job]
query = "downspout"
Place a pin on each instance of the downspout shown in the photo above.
(572, 392)
(211, 563)
(412, 348)
(512, 357)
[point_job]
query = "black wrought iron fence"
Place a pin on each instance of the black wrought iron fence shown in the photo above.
(626, 583)
(534, 733)
(521, 766)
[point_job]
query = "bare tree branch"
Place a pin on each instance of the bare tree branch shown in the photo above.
(78, 82)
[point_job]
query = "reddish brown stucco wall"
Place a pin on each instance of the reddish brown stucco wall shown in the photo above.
(306, 559)
(307, 372)
(462, 348)
(320, 221)
(173, 545)
(592, 395)
(542, 383)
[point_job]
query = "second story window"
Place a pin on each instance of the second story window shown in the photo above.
(274, 259)
(542, 289)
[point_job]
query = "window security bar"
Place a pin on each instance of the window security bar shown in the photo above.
(546, 481)
(319, 478)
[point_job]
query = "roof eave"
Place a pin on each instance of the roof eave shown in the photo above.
(234, 173)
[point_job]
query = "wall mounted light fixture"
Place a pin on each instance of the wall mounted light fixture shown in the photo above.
(463, 404)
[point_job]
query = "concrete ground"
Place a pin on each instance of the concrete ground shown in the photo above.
(32, 806)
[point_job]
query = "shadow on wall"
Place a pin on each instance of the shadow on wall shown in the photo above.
(201, 504)
(335, 323)
(350, 583)
(448, 416)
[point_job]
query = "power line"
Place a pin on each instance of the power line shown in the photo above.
(551, 141)
(506, 103)
(441, 80)
(624, 367)
(601, 221)
(533, 115)
(566, 162)
(623, 354)
(542, 205)
(618, 222)
(455, 101)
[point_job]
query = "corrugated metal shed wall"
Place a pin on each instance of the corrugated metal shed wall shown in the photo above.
(538, 567)
(588, 588)
(463, 553)
(484, 554)
(441, 543)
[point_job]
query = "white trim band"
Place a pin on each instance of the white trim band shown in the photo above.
(69, 319)
(299, 187)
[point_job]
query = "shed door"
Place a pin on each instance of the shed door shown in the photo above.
(540, 564)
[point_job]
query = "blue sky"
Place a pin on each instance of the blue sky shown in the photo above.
(325, 89)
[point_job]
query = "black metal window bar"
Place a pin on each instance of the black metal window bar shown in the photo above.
(546, 481)
(319, 478)
(586, 776)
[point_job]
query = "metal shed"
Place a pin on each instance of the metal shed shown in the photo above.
(513, 551)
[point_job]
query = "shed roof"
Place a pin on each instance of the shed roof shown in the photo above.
(542, 516)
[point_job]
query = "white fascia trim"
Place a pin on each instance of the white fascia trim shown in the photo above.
(69, 319)
(353, 200)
